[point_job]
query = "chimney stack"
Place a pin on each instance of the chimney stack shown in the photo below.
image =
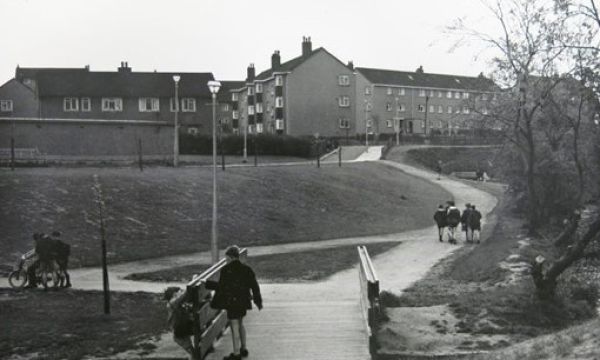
(420, 69)
(306, 46)
(124, 67)
(251, 73)
(275, 60)
(350, 65)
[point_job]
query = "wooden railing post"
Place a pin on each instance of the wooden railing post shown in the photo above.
(369, 288)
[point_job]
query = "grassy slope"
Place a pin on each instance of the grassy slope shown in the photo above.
(165, 211)
(288, 267)
(469, 282)
(69, 324)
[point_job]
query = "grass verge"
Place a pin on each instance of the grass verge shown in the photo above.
(165, 211)
(311, 265)
(70, 324)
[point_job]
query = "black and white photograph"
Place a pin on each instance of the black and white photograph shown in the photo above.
(299, 180)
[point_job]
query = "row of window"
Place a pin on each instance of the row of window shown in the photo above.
(6, 105)
(431, 93)
(432, 109)
(114, 104)
(258, 88)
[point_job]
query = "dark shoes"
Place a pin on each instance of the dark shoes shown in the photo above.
(233, 356)
(244, 352)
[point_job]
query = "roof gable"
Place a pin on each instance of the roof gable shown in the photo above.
(290, 65)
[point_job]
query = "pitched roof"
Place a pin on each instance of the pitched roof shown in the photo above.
(227, 86)
(423, 79)
(288, 65)
(82, 82)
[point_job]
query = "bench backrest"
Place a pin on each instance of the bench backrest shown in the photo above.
(209, 323)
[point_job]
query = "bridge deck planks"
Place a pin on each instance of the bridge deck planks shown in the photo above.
(316, 330)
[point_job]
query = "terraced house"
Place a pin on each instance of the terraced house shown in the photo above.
(312, 94)
(390, 101)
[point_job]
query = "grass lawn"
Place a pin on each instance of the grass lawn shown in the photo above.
(455, 158)
(288, 267)
(165, 211)
(69, 324)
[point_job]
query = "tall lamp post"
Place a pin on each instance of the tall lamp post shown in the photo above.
(176, 79)
(245, 139)
(367, 124)
(214, 87)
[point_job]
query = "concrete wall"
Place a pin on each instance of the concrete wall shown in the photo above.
(24, 100)
(311, 99)
(87, 138)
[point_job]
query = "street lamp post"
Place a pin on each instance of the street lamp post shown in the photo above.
(176, 79)
(367, 124)
(426, 109)
(245, 141)
(397, 124)
(214, 89)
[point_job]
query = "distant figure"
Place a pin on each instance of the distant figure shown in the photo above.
(485, 177)
(440, 219)
(232, 294)
(438, 169)
(180, 317)
(464, 223)
(475, 224)
(479, 174)
(452, 221)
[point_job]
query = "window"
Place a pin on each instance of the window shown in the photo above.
(279, 102)
(401, 92)
(86, 104)
(259, 128)
(278, 80)
(189, 105)
(250, 90)
(484, 97)
(148, 104)
(402, 108)
(112, 104)
(466, 110)
(484, 111)
(251, 110)
(70, 104)
(421, 92)
(389, 123)
(449, 109)
(390, 91)
(224, 107)
(449, 94)
(234, 97)
(465, 95)
(457, 95)
(458, 110)
(344, 80)
(367, 90)
(431, 108)
(235, 114)
(344, 101)
(431, 93)
(259, 88)
(440, 109)
(421, 108)
(259, 108)
(279, 124)
(388, 106)
(440, 94)
(6, 105)
(344, 124)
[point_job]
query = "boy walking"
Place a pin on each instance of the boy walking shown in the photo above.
(440, 219)
(475, 224)
(452, 220)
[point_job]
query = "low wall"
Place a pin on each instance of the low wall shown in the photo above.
(88, 139)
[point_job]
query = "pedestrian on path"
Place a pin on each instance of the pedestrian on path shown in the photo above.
(475, 224)
(440, 219)
(452, 221)
(180, 317)
(464, 223)
(438, 169)
(232, 294)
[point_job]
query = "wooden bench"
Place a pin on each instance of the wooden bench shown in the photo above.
(369, 297)
(469, 175)
(209, 323)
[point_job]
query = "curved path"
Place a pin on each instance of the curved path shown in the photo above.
(319, 320)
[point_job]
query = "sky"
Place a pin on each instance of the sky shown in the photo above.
(224, 36)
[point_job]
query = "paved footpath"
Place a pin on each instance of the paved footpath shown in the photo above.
(317, 320)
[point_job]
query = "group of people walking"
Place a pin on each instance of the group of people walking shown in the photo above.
(449, 217)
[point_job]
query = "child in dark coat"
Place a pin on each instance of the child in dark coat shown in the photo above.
(440, 219)
(475, 224)
(452, 221)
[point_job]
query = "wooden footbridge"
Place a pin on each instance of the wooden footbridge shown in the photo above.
(298, 321)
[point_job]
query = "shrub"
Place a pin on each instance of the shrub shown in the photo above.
(279, 145)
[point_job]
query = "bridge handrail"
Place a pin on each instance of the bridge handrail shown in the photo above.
(209, 323)
(369, 299)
